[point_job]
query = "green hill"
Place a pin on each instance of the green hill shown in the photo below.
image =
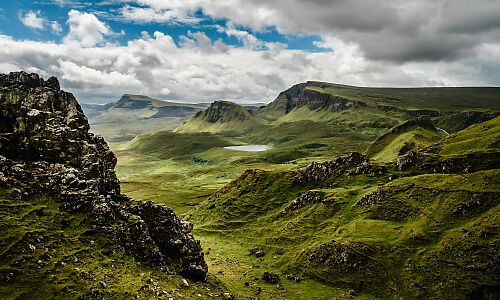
(410, 135)
(221, 116)
(373, 228)
(136, 114)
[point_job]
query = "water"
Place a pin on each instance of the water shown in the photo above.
(249, 148)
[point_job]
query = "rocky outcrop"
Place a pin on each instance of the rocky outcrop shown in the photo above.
(303, 200)
(300, 95)
(349, 164)
(317, 100)
(46, 148)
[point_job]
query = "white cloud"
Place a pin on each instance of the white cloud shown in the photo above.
(85, 29)
(150, 15)
(416, 30)
(56, 27)
(200, 70)
(32, 19)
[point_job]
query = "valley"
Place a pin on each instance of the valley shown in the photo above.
(249, 150)
(192, 171)
(349, 197)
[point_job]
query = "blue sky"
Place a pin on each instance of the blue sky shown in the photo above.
(248, 51)
(12, 12)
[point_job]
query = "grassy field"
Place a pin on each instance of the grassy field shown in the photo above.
(442, 98)
(47, 253)
(401, 245)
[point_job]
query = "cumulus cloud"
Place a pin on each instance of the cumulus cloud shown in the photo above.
(56, 27)
(368, 43)
(85, 29)
(32, 19)
(203, 70)
(397, 31)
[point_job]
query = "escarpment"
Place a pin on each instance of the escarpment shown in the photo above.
(46, 149)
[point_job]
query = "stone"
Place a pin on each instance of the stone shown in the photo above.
(271, 277)
(46, 148)
(257, 252)
(185, 282)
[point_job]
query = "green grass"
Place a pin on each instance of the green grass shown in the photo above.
(407, 244)
(445, 98)
(47, 253)
(482, 137)
(401, 139)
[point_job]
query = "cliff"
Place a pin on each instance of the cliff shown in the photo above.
(46, 149)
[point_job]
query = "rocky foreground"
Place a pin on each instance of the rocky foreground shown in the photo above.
(46, 149)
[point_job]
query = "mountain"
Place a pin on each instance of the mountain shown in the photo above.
(460, 106)
(66, 229)
(423, 224)
(136, 114)
(452, 109)
(220, 116)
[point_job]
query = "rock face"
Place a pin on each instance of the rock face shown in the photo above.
(299, 95)
(349, 164)
(46, 148)
(303, 200)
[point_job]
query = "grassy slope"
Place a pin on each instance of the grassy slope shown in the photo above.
(446, 99)
(433, 235)
(199, 125)
(47, 253)
(411, 135)
(299, 137)
(232, 118)
(482, 137)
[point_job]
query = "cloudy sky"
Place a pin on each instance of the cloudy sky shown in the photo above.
(249, 51)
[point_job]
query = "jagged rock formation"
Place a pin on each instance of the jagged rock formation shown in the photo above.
(300, 95)
(46, 148)
(349, 164)
(304, 199)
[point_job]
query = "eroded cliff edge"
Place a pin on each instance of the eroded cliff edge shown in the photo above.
(46, 149)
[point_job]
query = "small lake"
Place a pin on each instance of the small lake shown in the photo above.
(249, 148)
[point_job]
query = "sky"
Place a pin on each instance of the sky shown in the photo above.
(248, 51)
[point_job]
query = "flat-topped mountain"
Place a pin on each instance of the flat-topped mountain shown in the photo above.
(136, 114)
(341, 114)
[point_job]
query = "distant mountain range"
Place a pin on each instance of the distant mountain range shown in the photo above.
(452, 109)
(136, 114)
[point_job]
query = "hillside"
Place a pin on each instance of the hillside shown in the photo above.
(220, 116)
(411, 135)
(136, 114)
(423, 225)
(66, 229)
(367, 111)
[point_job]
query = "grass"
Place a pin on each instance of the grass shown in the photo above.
(413, 226)
(482, 137)
(445, 99)
(47, 253)
(401, 139)
(389, 246)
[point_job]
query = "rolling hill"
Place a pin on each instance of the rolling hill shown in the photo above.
(422, 225)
